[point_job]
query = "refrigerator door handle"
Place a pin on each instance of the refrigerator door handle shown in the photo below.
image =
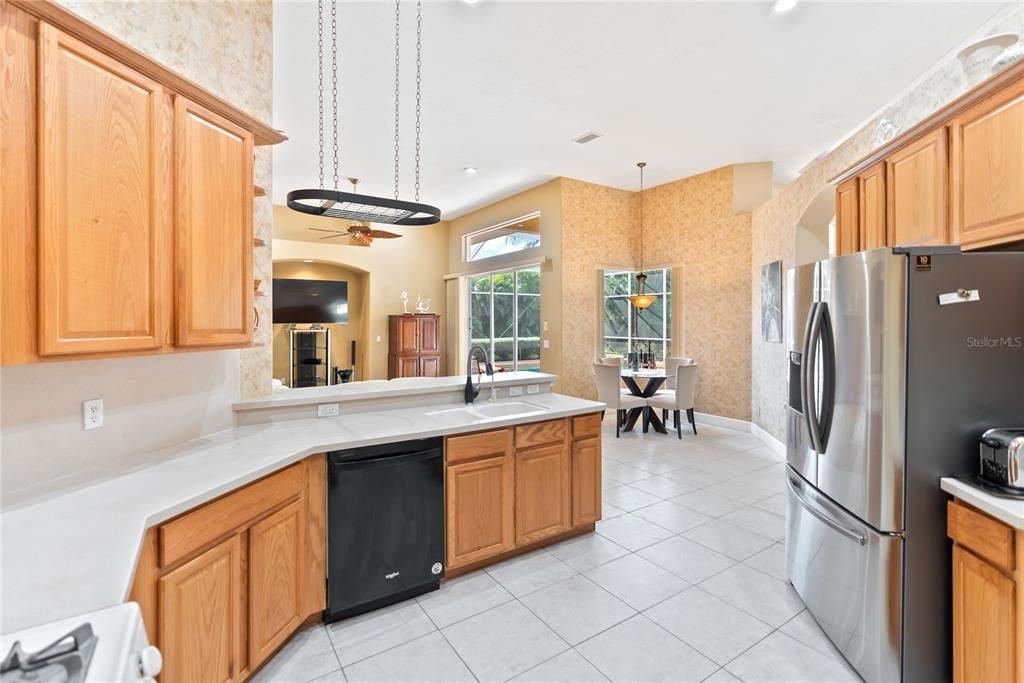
(808, 370)
(821, 516)
(828, 382)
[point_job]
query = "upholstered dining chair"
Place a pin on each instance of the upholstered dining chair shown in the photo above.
(612, 360)
(610, 394)
(678, 399)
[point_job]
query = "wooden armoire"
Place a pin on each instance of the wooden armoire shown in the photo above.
(414, 345)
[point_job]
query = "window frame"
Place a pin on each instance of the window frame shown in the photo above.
(467, 239)
(665, 293)
(515, 294)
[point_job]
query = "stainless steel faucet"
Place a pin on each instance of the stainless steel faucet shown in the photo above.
(479, 353)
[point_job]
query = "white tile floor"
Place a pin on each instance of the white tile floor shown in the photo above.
(683, 581)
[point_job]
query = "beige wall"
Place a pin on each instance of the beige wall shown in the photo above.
(547, 199)
(150, 402)
(342, 334)
(416, 262)
(774, 224)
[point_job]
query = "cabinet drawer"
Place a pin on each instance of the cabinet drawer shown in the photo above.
(984, 536)
(541, 433)
(191, 532)
(459, 448)
(586, 426)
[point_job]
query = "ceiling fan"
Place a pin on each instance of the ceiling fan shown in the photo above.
(360, 233)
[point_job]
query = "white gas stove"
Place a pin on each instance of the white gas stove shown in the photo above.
(105, 646)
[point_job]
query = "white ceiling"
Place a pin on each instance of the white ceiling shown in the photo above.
(685, 86)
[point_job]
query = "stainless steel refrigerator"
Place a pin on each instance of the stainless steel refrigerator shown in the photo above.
(898, 361)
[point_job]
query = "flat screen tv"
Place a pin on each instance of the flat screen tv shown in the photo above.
(310, 301)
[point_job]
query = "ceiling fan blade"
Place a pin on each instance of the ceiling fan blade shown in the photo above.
(331, 237)
(340, 232)
(383, 234)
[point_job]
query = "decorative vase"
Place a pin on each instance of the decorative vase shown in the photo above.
(1012, 54)
(976, 59)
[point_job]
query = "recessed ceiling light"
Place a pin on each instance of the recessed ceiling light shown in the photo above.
(470, 2)
(781, 6)
(469, 170)
(307, 260)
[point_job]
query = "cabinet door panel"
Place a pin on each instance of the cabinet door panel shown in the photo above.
(213, 231)
(276, 568)
(916, 188)
(408, 366)
(429, 335)
(479, 499)
(542, 493)
(408, 335)
(984, 621)
(988, 170)
(200, 622)
(847, 218)
(99, 226)
(586, 481)
(873, 222)
(430, 366)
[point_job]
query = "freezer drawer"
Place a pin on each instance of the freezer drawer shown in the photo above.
(850, 577)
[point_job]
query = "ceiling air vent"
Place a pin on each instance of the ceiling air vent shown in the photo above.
(586, 137)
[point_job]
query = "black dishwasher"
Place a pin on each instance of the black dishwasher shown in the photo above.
(385, 534)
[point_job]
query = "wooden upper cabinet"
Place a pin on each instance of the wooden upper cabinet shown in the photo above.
(213, 197)
(917, 184)
(873, 221)
(848, 217)
(100, 227)
(987, 162)
(200, 617)
(586, 481)
(543, 495)
(276, 589)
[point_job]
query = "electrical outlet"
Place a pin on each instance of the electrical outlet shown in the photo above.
(92, 414)
(515, 391)
(545, 325)
(328, 410)
(533, 388)
(547, 344)
(378, 339)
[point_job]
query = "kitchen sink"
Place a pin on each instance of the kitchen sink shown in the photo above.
(493, 411)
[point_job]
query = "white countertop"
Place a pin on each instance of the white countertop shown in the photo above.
(76, 551)
(1004, 509)
(375, 389)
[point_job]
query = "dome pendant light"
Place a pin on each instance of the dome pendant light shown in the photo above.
(350, 206)
(641, 300)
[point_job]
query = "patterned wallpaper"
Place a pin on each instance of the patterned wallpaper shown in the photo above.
(689, 226)
(774, 223)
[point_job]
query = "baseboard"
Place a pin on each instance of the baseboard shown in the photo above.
(744, 426)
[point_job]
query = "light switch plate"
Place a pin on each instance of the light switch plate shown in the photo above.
(328, 410)
(92, 414)
(515, 391)
(547, 344)
(533, 388)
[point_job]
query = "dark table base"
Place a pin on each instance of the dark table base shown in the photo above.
(650, 415)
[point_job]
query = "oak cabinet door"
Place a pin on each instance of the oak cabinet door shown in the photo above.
(988, 170)
(847, 217)
(200, 622)
(873, 222)
(479, 500)
(101, 166)
(916, 178)
(430, 366)
(429, 335)
(985, 634)
(276, 568)
(408, 335)
(586, 481)
(213, 229)
(542, 493)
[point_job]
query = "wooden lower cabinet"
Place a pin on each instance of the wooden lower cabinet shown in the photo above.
(542, 493)
(479, 510)
(201, 617)
(222, 606)
(988, 597)
(513, 488)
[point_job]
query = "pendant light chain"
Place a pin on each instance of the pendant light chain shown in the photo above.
(334, 83)
(320, 79)
(397, 64)
(642, 164)
(419, 82)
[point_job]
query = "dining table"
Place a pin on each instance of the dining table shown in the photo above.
(653, 378)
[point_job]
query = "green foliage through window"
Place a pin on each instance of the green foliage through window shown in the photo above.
(627, 328)
(504, 317)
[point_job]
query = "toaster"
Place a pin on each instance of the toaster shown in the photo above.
(1002, 457)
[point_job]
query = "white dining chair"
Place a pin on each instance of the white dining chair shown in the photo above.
(610, 394)
(678, 399)
(612, 360)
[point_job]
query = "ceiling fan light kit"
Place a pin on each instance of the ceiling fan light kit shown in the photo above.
(352, 206)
